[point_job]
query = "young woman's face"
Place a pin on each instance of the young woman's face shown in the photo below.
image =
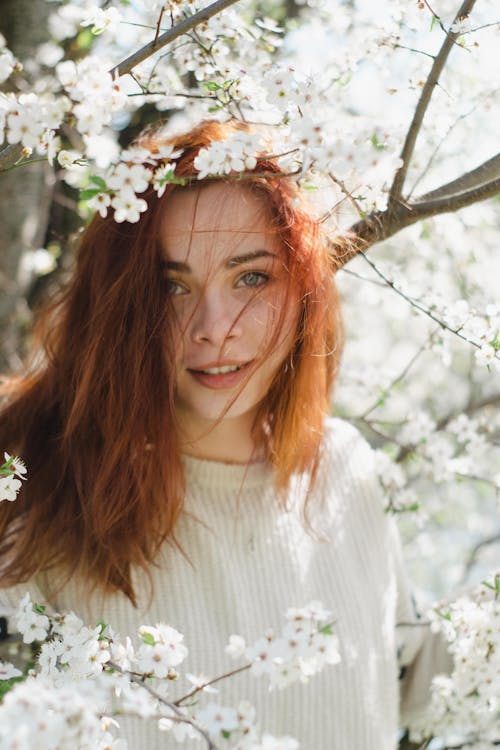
(227, 280)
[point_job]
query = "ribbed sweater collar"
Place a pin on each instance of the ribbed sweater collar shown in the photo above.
(219, 475)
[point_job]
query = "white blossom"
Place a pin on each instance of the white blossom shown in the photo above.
(134, 178)
(8, 671)
(486, 355)
(101, 19)
(16, 464)
(236, 646)
(9, 487)
(216, 719)
(236, 154)
(100, 203)
(32, 625)
(7, 64)
(467, 700)
(128, 207)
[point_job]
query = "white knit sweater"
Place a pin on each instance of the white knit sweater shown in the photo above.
(248, 560)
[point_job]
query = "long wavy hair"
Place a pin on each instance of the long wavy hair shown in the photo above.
(93, 413)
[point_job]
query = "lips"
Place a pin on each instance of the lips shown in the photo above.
(218, 376)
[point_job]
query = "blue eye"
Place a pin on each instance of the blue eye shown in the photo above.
(174, 288)
(253, 279)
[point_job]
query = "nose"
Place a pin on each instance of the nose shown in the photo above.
(215, 320)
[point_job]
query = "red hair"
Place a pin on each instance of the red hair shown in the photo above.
(94, 418)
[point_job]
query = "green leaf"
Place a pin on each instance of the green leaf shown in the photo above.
(326, 630)
(39, 609)
(178, 181)
(85, 195)
(377, 145)
(443, 614)
(496, 584)
(102, 625)
(413, 507)
(6, 685)
(496, 342)
(211, 86)
(85, 39)
(434, 21)
(225, 734)
(98, 181)
(148, 638)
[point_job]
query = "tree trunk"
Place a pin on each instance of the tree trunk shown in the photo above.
(25, 193)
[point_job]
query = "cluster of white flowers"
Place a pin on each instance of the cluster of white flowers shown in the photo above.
(12, 471)
(305, 646)
(75, 662)
(235, 154)
(466, 704)
(224, 55)
(120, 185)
(38, 713)
(31, 120)
(8, 62)
(238, 70)
(95, 95)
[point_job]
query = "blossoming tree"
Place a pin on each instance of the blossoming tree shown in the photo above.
(390, 126)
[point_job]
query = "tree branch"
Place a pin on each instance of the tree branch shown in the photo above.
(380, 225)
(487, 171)
(423, 103)
(474, 553)
(138, 679)
(9, 156)
(168, 36)
(12, 154)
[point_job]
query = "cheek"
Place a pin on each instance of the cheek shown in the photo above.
(275, 321)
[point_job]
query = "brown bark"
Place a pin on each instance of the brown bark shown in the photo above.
(25, 193)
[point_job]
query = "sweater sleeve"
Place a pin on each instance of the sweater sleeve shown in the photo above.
(422, 654)
(10, 599)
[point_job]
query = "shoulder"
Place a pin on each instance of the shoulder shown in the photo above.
(345, 447)
(347, 475)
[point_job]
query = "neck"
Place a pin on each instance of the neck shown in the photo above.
(228, 440)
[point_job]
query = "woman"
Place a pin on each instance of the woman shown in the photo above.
(182, 468)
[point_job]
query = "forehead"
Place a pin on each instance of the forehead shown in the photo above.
(226, 212)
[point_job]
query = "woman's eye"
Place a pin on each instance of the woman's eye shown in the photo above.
(174, 288)
(253, 279)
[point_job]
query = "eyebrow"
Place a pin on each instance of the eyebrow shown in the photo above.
(237, 260)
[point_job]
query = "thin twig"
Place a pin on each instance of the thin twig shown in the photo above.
(138, 679)
(12, 153)
(199, 688)
(396, 45)
(401, 376)
(363, 278)
(474, 552)
(417, 305)
(158, 24)
(168, 36)
(437, 18)
(470, 408)
(447, 189)
(479, 28)
(423, 103)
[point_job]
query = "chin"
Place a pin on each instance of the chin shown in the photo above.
(213, 409)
